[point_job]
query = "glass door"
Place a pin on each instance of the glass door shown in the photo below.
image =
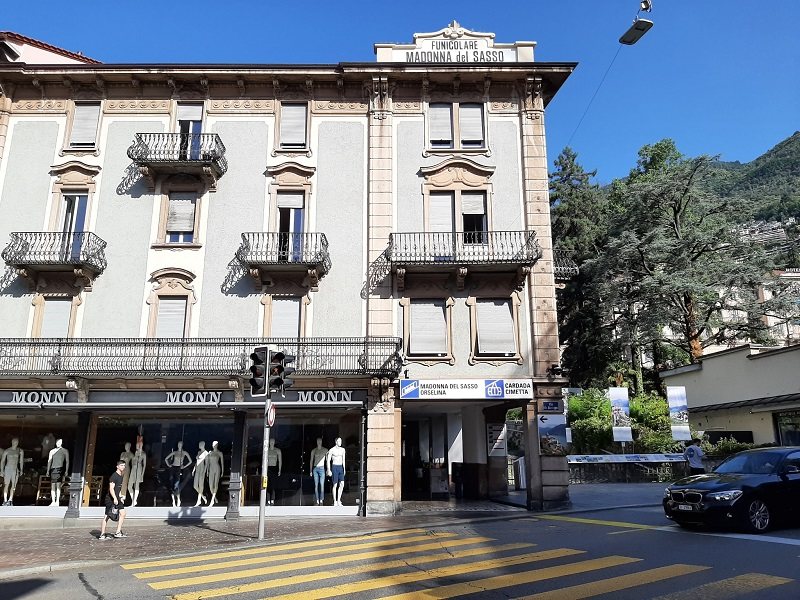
(73, 221)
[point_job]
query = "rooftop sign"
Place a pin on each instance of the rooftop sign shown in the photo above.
(455, 45)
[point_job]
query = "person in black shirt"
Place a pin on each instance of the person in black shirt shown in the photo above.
(114, 501)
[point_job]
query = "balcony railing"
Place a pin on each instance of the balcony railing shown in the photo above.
(471, 247)
(55, 248)
(210, 357)
(179, 149)
(563, 266)
(261, 249)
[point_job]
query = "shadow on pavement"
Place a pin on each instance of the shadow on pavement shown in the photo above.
(10, 590)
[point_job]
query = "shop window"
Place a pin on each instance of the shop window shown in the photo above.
(456, 126)
(84, 125)
(293, 126)
(427, 328)
(495, 329)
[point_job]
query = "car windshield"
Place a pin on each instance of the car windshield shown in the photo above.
(750, 463)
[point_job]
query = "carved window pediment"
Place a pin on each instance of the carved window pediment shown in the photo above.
(454, 172)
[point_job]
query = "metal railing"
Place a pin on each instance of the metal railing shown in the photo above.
(563, 265)
(119, 357)
(470, 247)
(184, 148)
(56, 248)
(262, 248)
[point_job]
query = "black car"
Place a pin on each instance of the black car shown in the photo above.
(751, 490)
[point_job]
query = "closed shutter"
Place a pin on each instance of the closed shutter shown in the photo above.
(293, 125)
(495, 327)
(84, 124)
(190, 112)
(171, 317)
(428, 335)
(181, 212)
(55, 320)
(440, 124)
(440, 212)
(470, 121)
(291, 199)
(285, 317)
(473, 203)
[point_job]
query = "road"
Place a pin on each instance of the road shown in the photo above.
(622, 554)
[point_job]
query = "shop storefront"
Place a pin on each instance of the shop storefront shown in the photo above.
(189, 453)
(788, 427)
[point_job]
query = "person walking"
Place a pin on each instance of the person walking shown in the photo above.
(115, 506)
(694, 455)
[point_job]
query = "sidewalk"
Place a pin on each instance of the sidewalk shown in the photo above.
(56, 548)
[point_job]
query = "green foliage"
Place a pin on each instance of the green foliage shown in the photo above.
(725, 447)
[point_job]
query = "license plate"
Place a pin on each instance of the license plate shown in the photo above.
(685, 507)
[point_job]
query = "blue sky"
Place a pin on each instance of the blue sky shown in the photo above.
(718, 76)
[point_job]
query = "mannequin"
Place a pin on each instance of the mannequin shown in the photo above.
(199, 472)
(216, 462)
(175, 462)
(57, 467)
(136, 476)
(317, 469)
(335, 462)
(48, 443)
(127, 456)
(11, 467)
(274, 464)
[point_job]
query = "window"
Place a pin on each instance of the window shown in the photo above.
(293, 126)
(180, 226)
(285, 317)
(171, 319)
(473, 217)
(472, 221)
(190, 126)
(495, 328)
(170, 301)
(291, 206)
(428, 331)
(85, 120)
(55, 318)
(456, 126)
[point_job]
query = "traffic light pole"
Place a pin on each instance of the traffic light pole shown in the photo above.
(264, 460)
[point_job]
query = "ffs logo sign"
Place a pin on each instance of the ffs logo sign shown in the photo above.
(494, 388)
(409, 389)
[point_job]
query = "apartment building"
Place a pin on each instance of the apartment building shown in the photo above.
(387, 223)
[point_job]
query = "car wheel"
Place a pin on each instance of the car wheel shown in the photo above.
(757, 517)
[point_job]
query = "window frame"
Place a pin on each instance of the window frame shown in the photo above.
(457, 143)
(39, 303)
(170, 283)
(179, 184)
(82, 150)
(515, 355)
(428, 359)
(278, 145)
(266, 302)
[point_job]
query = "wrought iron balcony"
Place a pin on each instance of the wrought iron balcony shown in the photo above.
(194, 357)
(564, 268)
(264, 253)
(201, 154)
(484, 250)
(32, 252)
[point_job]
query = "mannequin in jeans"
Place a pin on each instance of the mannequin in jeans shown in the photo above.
(317, 468)
(57, 466)
(11, 469)
(274, 464)
(175, 462)
(335, 462)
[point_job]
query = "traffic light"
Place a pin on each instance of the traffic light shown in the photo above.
(287, 370)
(258, 367)
(279, 371)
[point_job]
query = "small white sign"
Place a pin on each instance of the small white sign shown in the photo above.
(496, 439)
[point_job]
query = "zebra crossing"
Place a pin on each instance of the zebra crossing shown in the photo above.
(417, 564)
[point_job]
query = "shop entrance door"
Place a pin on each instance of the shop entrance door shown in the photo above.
(424, 462)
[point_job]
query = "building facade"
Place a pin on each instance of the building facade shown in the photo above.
(386, 223)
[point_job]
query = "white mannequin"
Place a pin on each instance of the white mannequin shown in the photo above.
(335, 461)
(274, 464)
(199, 472)
(216, 462)
(316, 468)
(11, 468)
(175, 460)
(57, 467)
(127, 456)
(136, 476)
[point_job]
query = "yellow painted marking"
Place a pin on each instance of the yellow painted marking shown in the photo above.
(501, 581)
(615, 584)
(365, 569)
(728, 588)
(598, 522)
(379, 544)
(328, 560)
(268, 549)
(341, 590)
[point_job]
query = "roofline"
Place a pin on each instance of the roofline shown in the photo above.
(45, 46)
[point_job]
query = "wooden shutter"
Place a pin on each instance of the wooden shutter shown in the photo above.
(428, 334)
(473, 203)
(293, 125)
(440, 212)
(470, 122)
(190, 112)
(285, 317)
(440, 124)
(495, 327)
(55, 320)
(181, 212)
(171, 317)
(84, 124)
(291, 199)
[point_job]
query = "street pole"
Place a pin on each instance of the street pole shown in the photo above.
(264, 459)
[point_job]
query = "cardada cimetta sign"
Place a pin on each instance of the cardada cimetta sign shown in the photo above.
(466, 389)
(455, 44)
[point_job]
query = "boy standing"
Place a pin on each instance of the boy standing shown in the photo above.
(694, 455)
(114, 502)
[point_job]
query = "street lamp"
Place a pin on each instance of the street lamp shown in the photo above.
(639, 26)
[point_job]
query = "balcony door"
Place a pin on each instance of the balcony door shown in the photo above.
(291, 221)
(474, 226)
(73, 223)
(441, 226)
(190, 126)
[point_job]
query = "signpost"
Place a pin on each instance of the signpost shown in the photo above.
(271, 415)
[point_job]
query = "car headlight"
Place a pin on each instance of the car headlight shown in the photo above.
(666, 492)
(726, 496)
